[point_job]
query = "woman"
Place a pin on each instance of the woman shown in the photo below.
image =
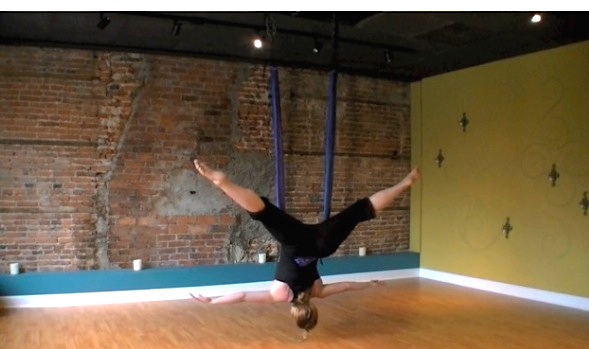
(297, 279)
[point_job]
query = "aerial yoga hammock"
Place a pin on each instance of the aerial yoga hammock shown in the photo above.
(329, 140)
(330, 121)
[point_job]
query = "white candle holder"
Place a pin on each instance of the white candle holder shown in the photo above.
(14, 268)
(137, 264)
(362, 251)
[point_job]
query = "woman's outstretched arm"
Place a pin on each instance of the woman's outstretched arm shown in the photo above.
(321, 291)
(279, 292)
(237, 297)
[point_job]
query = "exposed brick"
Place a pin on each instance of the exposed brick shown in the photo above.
(89, 139)
(127, 221)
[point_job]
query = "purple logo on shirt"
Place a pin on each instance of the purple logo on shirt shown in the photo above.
(304, 261)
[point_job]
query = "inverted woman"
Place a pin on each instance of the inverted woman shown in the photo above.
(296, 278)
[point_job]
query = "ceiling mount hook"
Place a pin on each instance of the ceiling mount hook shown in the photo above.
(335, 40)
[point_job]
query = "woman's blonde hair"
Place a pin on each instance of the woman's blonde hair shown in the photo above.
(304, 312)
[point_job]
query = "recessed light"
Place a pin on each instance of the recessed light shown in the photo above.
(317, 46)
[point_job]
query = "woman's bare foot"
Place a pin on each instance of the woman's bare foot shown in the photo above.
(384, 198)
(243, 197)
(215, 176)
(412, 177)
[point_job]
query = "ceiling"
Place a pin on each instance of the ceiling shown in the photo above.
(419, 44)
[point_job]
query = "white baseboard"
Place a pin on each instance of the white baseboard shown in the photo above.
(165, 294)
(151, 295)
(507, 289)
(119, 297)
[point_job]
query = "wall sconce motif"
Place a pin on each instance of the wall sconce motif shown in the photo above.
(440, 158)
(463, 122)
(584, 203)
(507, 228)
(553, 175)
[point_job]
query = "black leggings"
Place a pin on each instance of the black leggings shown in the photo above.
(313, 240)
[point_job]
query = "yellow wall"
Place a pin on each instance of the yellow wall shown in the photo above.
(525, 114)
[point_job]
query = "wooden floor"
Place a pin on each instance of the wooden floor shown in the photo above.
(409, 313)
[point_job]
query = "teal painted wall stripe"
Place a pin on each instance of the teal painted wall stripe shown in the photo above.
(125, 279)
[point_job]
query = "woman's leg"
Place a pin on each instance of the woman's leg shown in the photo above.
(285, 228)
(384, 198)
(336, 229)
(244, 197)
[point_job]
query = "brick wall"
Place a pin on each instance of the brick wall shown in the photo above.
(94, 168)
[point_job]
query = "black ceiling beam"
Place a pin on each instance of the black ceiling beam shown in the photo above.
(221, 56)
(202, 20)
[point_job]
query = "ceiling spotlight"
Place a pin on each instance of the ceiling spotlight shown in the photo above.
(104, 21)
(176, 29)
(258, 43)
(536, 18)
(388, 56)
(317, 46)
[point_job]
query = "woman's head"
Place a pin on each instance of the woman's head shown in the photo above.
(304, 312)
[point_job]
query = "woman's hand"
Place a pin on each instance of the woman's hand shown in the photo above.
(200, 298)
(375, 283)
